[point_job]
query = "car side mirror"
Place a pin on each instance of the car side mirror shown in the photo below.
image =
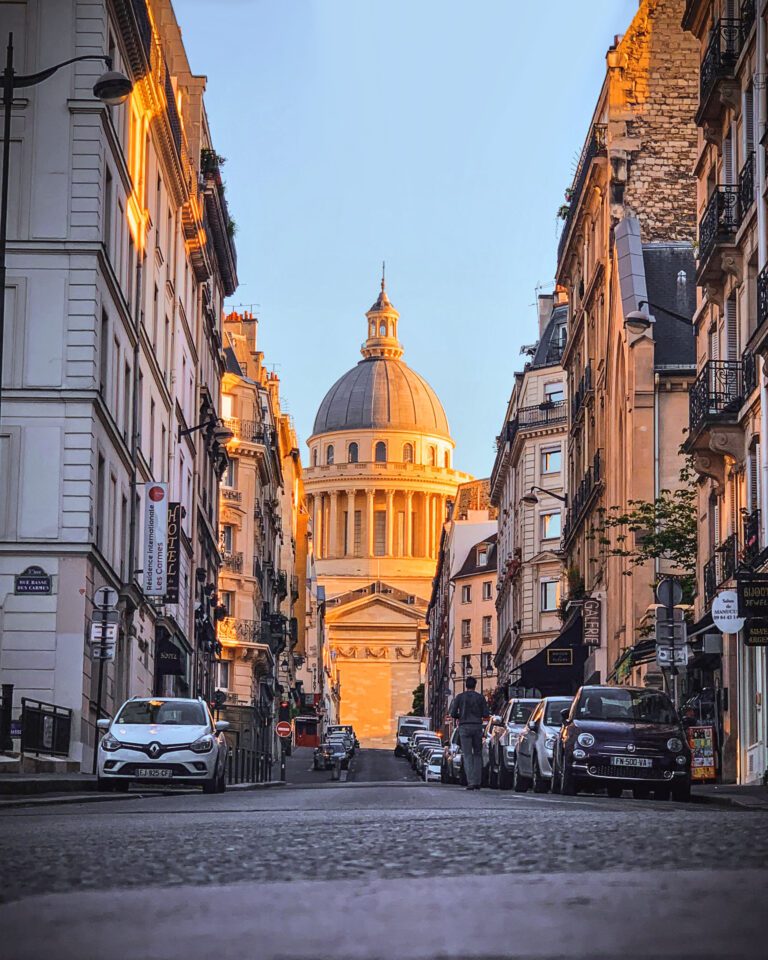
(498, 722)
(103, 724)
(564, 714)
(533, 726)
(221, 725)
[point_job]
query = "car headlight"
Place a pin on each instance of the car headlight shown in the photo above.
(579, 754)
(110, 744)
(681, 760)
(586, 739)
(203, 745)
(675, 744)
(550, 742)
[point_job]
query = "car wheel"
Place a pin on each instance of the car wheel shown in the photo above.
(681, 792)
(212, 785)
(493, 777)
(555, 777)
(568, 786)
(614, 790)
(540, 785)
(520, 783)
(661, 793)
(222, 781)
(505, 778)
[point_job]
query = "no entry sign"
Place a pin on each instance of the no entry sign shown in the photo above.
(283, 729)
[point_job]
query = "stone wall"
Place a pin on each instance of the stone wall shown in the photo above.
(652, 135)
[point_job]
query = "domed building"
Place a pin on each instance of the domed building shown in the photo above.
(379, 480)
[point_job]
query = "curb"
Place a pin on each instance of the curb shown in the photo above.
(730, 803)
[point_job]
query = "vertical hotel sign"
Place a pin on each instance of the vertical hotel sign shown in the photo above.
(155, 539)
(172, 572)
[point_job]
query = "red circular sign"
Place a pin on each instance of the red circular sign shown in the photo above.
(283, 729)
(156, 493)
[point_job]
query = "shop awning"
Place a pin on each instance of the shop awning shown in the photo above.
(558, 669)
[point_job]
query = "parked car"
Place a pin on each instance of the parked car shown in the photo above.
(344, 728)
(433, 766)
(486, 749)
(329, 753)
(536, 744)
(406, 727)
(346, 741)
(423, 752)
(162, 740)
(417, 738)
(502, 748)
(452, 770)
(623, 738)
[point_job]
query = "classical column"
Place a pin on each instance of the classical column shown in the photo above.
(408, 551)
(350, 523)
(333, 525)
(390, 523)
(427, 548)
(369, 526)
(433, 523)
(317, 529)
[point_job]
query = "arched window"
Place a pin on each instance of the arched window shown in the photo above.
(314, 457)
(352, 453)
(408, 453)
(329, 454)
(380, 455)
(433, 456)
(382, 329)
(447, 458)
(373, 330)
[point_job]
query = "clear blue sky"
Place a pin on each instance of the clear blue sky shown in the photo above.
(438, 135)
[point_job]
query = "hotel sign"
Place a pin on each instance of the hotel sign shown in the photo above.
(155, 539)
(172, 572)
(591, 616)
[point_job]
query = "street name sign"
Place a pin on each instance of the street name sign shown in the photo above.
(725, 612)
(32, 580)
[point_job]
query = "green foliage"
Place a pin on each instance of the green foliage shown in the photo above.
(417, 708)
(661, 529)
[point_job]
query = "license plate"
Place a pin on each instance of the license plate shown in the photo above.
(631, 762)
(151, 773)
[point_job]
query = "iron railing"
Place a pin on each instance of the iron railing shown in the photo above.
(720, 220)
(553, 355)
(762, 296)
(45, 728)
(747, 14)
(243, 631)
(252, 431)
(729, 550)
(717, 393)
(751, 550)
(595, 146)
(234, 496)
(720, 57)
(583, 496)
(747, 185)
(749, 362)
(580, 395)
(721, 567)
(243, 766)
(144, 25)
(232, 561)
(542, 414)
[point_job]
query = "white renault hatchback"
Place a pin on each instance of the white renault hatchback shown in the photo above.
(163, 740)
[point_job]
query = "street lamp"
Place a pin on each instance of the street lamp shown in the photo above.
(111, 88)
(216, 428)
(638, 321)
(531, 499)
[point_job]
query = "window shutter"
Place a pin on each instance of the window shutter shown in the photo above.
(731, 330)
(716, 521)
(754, 477)
(749, 119)
(728, 177)
(732, 505)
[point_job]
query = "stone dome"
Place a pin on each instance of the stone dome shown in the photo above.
(382, 393)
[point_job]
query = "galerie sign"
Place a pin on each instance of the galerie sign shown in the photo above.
(155, 539)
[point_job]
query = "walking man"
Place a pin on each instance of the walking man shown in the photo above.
(470, 709)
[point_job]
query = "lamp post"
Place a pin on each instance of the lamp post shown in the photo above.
(111, 88)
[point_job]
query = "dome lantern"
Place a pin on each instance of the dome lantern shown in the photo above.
(382, 328)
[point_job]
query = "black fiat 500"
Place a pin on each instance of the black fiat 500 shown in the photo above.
(623, 738)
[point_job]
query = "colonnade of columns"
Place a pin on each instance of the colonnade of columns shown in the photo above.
(344, 523)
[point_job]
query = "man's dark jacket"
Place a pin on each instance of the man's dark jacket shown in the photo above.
(470, 707)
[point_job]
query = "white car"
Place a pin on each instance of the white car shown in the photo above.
(536, 744)
(433, 766)
(163, 740)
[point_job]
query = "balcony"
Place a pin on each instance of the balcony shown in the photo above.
(250, 431)
(583, 389)
(749, 362)
(232, 630)
(232, 561)
(717, 394)
(718, 227)
(229, 495)
(583, 497)
(594, 147)
(716, 75)
(721, 567)
(747, 186)
(747, 14)
(752, 538)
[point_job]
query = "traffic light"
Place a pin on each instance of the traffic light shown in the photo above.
(285, 710)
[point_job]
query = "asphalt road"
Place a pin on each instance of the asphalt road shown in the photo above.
(379, 867)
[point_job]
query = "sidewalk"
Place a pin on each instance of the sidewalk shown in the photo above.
(754, 797)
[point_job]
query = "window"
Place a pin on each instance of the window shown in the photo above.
(379, 533)
(551, 461)
(228, 601)
(466, 664)
(381, 452)
(482, 556)
(223, 677)
(408, 453)
(487, 638)
(126, 401)
(553, 392)
(352, 453)
(227, 537)
(466, 633)
(487, 588)
(358, 536)
(314, 457)
(99, 502)
(550, 595)
(486, 662)
(550, 526)
(152, 438)
(124, 535)
(466, 593)
(227, 406)
(104, 354)
(230, 478)
(107, 234)
(433, 456)
(382, 329)
(447, 459)
(329, 454)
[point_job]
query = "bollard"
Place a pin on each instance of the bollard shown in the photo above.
(6, 742)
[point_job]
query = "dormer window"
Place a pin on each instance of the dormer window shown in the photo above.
(482, 556)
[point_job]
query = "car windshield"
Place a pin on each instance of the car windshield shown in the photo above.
(436, 758)
(520, 712)
(167, 712)
(552, 716)
(409, 729)
(626, 706)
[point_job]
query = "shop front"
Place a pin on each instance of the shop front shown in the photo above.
(172, 660)
(557, 669)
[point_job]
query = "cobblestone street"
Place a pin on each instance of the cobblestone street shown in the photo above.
(388, 836)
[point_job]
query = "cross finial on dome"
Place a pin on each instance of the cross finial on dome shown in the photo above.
(383, 275)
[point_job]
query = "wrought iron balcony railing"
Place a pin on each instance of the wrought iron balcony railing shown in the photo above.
(717, 393)
(762, 296)
(583, 496)
(252, 431)
(234, 496)
(720, 220)
(235, 630)
(747, 186)
(595, 146)
(232, 561)
(585, 385)
(747, 14)
(720, 57)
(752, 544)
(749, 362)
(539, 415)
(721, 566)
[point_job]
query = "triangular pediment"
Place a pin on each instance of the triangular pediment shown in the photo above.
(375, 609)
(545, 556)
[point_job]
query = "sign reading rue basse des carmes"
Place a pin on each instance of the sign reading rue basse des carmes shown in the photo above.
(32, 580)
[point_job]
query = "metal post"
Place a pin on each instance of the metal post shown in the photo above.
(673, 671)
(282, 761)
(6, 741)
(100, 687)
(7, 108)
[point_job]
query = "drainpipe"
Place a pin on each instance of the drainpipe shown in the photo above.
(133, 486)
(656, 462)
(762, 259)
